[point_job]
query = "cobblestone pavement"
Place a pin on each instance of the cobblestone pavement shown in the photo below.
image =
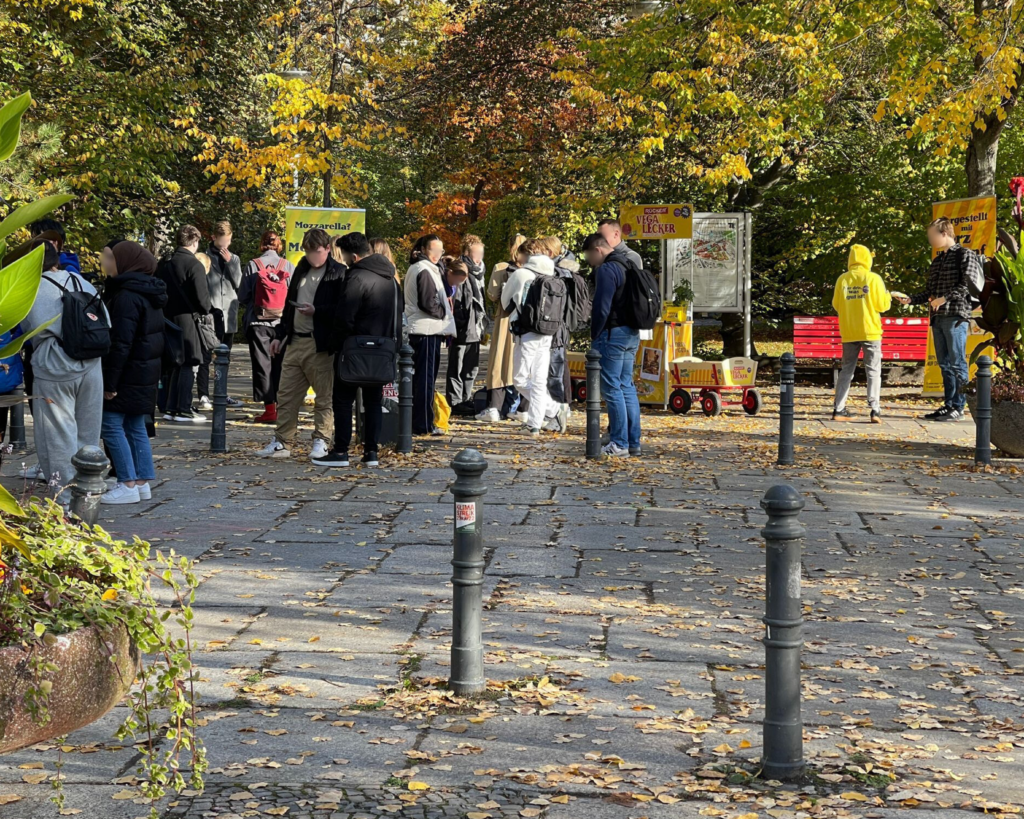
(622, 628)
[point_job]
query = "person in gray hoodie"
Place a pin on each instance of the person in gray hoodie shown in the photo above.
(223, 281)
(67, 395)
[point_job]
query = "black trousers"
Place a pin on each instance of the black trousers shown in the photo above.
(427, 361)
(463, 366)
(266, 369)
(556, 376)
(179, 390)
(343, 400)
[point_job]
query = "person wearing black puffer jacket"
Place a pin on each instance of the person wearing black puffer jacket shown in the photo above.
(371, 305)
(135, 299)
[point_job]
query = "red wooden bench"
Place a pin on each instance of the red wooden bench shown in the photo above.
(903, 339)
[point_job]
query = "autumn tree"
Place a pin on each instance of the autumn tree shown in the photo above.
(955, 73)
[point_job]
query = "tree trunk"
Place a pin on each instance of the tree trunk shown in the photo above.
(328, 196)
(982, 154)
(732, 336)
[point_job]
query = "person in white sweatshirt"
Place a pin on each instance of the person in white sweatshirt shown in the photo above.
(532, 351)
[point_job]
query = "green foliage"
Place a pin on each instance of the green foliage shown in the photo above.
(1003, 316)
(79, 576)
(10, 124)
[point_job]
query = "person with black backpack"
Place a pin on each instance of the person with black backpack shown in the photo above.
(577, 314)
(956, 273)
(626, 301)
(67, 395)
(535, 299)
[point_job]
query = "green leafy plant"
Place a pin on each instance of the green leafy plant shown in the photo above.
(683, 293)
(1003, 312)
(59, 576)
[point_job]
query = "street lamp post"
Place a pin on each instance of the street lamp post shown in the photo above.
(288, 74)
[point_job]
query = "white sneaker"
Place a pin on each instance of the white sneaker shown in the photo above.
(205, 404)
(167, 416)
(551, 424)
(32, 473)
(490, 415)
(121, 494)
(319, 449)
(522, 417)
(145, 493)
(615, 451)
(275, 449)
(562, 417)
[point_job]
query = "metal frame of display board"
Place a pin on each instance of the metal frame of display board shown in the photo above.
(737, 252)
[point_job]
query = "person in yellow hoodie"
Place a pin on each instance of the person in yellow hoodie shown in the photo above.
(860, 298)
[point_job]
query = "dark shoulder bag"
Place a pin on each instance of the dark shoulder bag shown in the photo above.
(206, 329)
(370, 360)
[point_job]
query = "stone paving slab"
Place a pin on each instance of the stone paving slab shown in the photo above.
(634, 590)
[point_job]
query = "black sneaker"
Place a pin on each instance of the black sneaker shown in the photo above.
(841, 415)
(952, 415)
(371, 459)
(876, 417)
(338, 460)
(635, 452)
(934, 416)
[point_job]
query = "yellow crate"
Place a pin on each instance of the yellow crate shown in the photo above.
(674, 314)
(733, 372)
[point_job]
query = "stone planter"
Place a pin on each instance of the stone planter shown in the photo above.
(87, 685)
(1007, 425)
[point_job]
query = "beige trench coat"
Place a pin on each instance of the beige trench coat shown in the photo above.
(500, 366)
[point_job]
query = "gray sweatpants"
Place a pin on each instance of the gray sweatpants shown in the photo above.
(872, 366)
(66, 416)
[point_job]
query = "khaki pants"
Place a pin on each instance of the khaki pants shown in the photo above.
(303, 367)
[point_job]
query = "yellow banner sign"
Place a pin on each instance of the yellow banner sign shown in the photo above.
(656, 221)
(974, 221)
(336, 221)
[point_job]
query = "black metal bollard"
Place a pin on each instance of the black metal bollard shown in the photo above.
(18, 443)
(467, 674)
(91, 465)
(786, 401)
(783, 724)
(593, 404)
(405, 373)
(219, 434)
(983, 415)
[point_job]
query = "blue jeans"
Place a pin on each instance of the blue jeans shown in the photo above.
(950, 336)
(126, 438)
(618, 353)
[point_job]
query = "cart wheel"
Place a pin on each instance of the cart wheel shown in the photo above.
(579, 392)
(711, 403)
(680, 402)
(752, 402)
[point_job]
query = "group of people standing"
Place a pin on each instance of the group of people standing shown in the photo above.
(136, 344)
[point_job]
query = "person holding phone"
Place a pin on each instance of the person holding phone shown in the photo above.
(949, 298)
(305, 335)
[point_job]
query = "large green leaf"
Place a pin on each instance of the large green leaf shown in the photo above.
(33, 211)
(19, 284)
(14, 347)
(10, 124)
(9, 505)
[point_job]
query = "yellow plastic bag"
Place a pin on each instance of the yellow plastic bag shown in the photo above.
(442, 412)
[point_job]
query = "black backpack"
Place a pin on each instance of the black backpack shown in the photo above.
(639, 304)
(580, 302)
(85, 325)
(543, 309)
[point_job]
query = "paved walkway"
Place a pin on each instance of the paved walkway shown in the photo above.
(622, 628)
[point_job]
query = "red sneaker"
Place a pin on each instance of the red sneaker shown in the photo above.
(269, 415)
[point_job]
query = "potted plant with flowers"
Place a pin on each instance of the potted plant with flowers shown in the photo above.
(80, 627)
